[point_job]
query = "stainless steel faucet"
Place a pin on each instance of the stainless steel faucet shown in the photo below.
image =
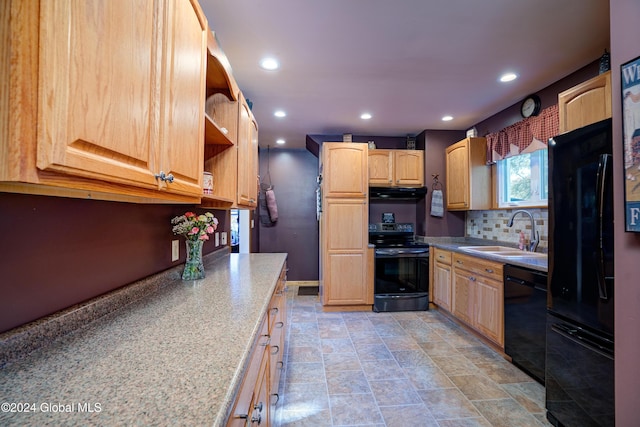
(535, 236)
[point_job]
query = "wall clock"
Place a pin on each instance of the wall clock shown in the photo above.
(530, 106)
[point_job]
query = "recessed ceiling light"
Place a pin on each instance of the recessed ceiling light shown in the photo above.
(269, 64)
(508, 77)
(447, 118)
(280, 113)
(365, 116)
(280, 141)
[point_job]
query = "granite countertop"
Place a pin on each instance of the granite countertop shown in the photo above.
(455, 243)
(174, 357)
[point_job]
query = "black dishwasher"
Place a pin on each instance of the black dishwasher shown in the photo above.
(525, 315)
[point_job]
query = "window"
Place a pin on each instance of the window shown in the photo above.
(523, 180)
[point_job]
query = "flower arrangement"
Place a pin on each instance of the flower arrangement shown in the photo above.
(195, 227)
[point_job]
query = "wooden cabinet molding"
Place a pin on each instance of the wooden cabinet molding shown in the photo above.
(346, 280)
(109, 119)
(468, 176)
(441, 278)
(259, 391)
(586, 103)
(344, 170)
(478, 296)
(388, 168)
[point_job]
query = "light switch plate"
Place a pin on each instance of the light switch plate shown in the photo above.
(217, 239)
(223, 238)
(175, 250)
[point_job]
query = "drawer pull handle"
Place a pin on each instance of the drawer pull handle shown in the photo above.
(276, 348)
(279, 325)
(275, 310)
(488, 270)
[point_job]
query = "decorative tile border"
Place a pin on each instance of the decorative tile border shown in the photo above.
(492, 225)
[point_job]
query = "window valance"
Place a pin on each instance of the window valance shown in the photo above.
(526, 136)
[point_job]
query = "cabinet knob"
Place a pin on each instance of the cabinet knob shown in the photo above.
(164, 177)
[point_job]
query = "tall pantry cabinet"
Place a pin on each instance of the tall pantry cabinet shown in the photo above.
(345, 277)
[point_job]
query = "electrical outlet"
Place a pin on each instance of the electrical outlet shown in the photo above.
(175, 250)
(217, 239)
(223, 238)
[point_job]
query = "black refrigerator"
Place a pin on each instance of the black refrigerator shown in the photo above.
(579, 349)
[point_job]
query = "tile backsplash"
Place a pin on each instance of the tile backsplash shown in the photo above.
(492, 225)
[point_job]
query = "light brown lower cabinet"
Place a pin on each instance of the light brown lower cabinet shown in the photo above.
(477, 293)
(441, 278)
(259, 392)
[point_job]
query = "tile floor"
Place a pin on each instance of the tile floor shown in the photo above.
(397, 369)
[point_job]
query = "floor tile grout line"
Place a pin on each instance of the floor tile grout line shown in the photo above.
(414, 340)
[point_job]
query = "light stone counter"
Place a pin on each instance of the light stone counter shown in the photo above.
(454, 244)
(174, 357)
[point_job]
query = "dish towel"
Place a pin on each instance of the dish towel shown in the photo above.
(437, 206)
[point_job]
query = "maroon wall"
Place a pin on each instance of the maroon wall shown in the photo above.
(293, 175)
(435, 142)
(625, 33)
(57, 252)
(548, 96)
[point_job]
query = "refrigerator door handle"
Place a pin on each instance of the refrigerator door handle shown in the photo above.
(603, 165)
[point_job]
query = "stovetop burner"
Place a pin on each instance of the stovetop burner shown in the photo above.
(395, 236)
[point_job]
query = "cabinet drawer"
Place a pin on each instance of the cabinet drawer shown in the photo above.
(478, 266)
(442, 256)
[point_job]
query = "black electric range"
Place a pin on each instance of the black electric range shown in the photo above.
(401, 268)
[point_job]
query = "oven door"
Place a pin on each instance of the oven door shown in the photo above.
(401, 282)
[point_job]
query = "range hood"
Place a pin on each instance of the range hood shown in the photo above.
(397, 193)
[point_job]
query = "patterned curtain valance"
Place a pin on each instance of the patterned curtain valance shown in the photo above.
(526, 136)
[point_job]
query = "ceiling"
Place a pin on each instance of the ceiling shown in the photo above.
(406, 62)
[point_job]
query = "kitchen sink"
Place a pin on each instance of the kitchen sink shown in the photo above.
(488, 248)
(503, 251)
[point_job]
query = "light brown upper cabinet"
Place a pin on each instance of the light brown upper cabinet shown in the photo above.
(116, 91)
(396, 168)
(344, 171)
(468, 176)
(231, 137)
(247, 156)
(586, 103)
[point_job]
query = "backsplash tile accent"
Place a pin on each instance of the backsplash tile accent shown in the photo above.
(492, 225)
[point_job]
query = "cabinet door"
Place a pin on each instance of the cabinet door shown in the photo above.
(489, 309)
(586, 103)
(247, 157)
(462, 296)
(98, 80)
(408, 167)
(380, 168)
(183, 98)
(442, 285)
(457, 165)
(345, 172)
(345, 244)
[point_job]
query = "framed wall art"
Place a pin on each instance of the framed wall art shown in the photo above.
(630, 86)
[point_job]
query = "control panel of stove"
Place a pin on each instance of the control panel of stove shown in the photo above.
(397, 227)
